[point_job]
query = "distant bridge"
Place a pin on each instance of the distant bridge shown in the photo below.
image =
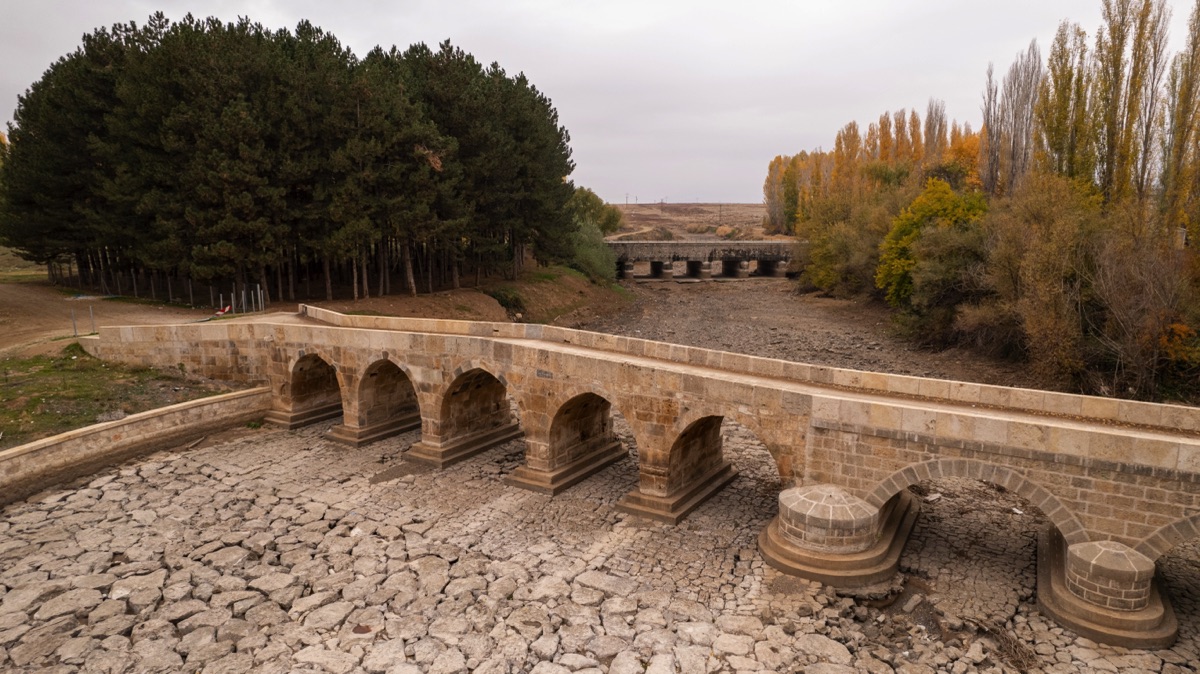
(1118, 481)
(703, 259)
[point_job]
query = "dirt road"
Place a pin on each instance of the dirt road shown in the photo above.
(35, 317)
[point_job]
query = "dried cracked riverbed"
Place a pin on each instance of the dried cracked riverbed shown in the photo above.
(283, 552)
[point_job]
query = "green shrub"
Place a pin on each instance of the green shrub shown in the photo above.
(592, 255)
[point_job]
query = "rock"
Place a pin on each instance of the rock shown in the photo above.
(692, 610)
(738, 624)
(383, 656)
(544, 667)
(975, 652)
(333, 661)
(828, 668)
(913, 602)
(612, 586)
(131, 584)
(823, 649)
(157, 656)
(73, 651)
(663, 663)
(271, 582)
(701, 634)
(654, 641)
(546, 587)
(692, 658)
(24, 596)
(312, 601)
(575, 661)
(107, 609)
(329, 616)
(71, 602)
(606, 647)
(153, 629)
(449, 629)
(433, 573)
(529, 620)
(233, 663)
(626, 662)
(180, 610)
(227, 557)
(733, 644)
(118, 624)
(545, 647)
(41, 641)
(211, 618)
(449, 661)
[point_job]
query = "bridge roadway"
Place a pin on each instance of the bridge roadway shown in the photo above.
(1117, 480)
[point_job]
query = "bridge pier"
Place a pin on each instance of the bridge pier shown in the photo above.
(825, 534)
(439, 452)
(580, 442)
(1105, 591)
(772, 268)
(700, 269)
(664, 270)
(625, 270)
(357, 435)
(672, 484)
(735, 268)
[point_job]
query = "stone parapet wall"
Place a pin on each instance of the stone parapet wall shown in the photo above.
(1173, 418)
(33, 466)
(707, 251)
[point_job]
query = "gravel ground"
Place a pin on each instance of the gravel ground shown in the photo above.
(765, 317)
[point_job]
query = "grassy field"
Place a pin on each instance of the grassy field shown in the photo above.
(15, 270)
(45, 395)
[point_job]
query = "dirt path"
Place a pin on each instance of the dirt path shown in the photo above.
(35, 317)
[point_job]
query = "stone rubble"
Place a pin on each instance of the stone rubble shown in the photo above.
(275, 553)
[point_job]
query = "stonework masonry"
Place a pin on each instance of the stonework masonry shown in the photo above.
(703, 259)
(1124, 473)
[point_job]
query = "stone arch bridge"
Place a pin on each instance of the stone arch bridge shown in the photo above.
(704, 259)
(1118, 480)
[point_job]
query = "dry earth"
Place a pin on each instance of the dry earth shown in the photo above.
(765, 317)
(692, 222)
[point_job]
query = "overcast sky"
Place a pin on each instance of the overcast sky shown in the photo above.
(682, 101)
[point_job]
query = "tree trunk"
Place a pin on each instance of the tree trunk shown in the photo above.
(292, 277)
(354, 274)
(265, 285)
(328, 279)
(429, 270)
(366, 256)
(406, 255)
(382, 262)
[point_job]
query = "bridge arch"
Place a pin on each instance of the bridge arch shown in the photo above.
(474, 401)
(576, 396)
(312, 388)
(1058, 514)
(780, 455)
(1170, 535)
(385, 391)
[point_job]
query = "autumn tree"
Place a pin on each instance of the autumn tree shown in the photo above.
(1062, 124)
(1181, 135)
